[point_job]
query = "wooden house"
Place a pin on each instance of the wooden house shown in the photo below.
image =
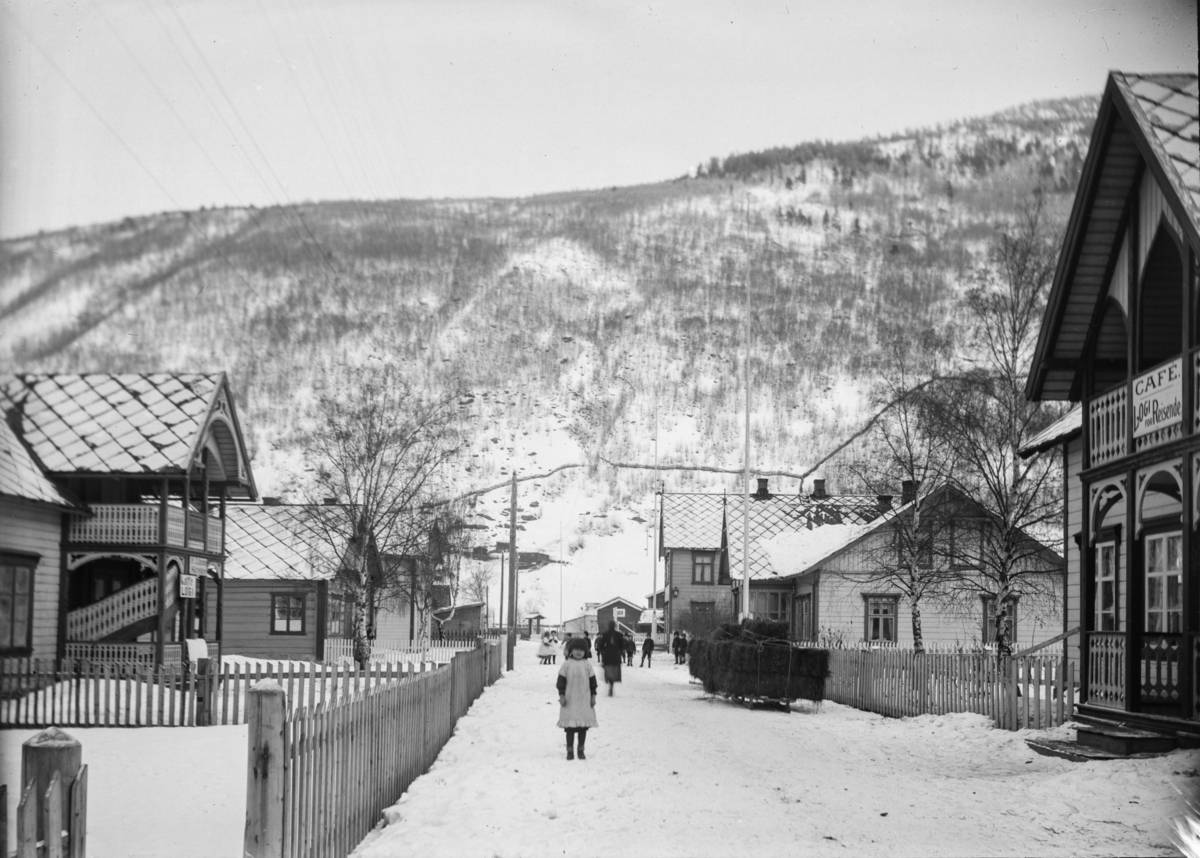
(845, 579)
(279, 598)
(626, 613)
(700, 541)
(141, 468)
(1121, 336)
(32, 512)
(814, 564)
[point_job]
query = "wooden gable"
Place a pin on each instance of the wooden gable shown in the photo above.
(1143, 165)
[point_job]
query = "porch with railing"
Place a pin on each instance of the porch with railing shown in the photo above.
(138, 524)
(1109, 412)
(1159, 671)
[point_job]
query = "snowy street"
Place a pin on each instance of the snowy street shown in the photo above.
(670, 772)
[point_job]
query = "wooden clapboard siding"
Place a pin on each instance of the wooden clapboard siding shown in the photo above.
(31, 528)
(392, 620)
(247, 619)
(679, 575)
(845, 580)
(630, 620)
(1075, 541)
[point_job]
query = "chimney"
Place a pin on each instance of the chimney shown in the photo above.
(763, 493)
(885, 503)
(819, 490)
(329, 501)
(908, 491)
(269, 501)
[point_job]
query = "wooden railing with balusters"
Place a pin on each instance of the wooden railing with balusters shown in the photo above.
(101, 619)
(1160, 658)
(137, 524)
(1106, 669)
(1108, 416)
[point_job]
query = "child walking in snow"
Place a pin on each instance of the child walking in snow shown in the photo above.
(576, 696)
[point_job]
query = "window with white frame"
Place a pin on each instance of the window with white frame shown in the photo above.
(702, 567)
(287, 614)
(1106, 587)
(16, 602)
(336, 620)
(880, 613)
(618, 613)
(1164, 571)
(770, 605)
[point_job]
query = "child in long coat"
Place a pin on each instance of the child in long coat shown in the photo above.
(576, 696)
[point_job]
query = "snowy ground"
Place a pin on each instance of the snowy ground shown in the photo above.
(153, 791)
(670, 772)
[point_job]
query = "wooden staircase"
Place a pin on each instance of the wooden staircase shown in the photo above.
(1105, 739)
(122, 616)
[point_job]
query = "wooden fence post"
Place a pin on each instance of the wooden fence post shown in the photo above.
(266, 770)
(205, 686)
(49, 753)
(77, 824)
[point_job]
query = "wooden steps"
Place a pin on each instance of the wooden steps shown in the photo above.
(1098, 739)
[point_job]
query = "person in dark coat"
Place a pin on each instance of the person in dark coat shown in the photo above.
(610, 647)
(587, 639)
(675, 646)
(630, 649)
(647, 651)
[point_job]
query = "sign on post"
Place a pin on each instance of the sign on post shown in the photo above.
(187, 586)
(1158, 398)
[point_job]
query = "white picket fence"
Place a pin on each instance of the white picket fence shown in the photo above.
(391, 651)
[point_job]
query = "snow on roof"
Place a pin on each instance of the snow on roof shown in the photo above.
(793, 553)
(1167, 106)
(1062, 429)
(103, 423)
(698, 521)
(263, 542)
(20, 476)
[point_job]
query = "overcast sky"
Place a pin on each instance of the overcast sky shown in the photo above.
(125, 107)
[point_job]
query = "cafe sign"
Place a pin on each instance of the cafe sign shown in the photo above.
(1158, 398)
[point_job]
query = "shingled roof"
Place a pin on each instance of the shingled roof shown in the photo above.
(699, 521)
(271, 542)
(20, 476)
(100, 423)
(1167, 106)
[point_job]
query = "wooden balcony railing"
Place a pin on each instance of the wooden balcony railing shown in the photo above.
(130, 523)
(1160, 669)
(1106, 669)
(1108, 424)
(137, 524)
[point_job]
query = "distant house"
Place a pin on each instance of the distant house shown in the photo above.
(113, 516)
(700, 539)
(465, 620)
(583, 623)
(810, 566)
(843, 588)
(281, 601)
(626, 613)
(1121, 337)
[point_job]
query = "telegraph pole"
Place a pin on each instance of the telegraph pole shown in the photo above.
(512, 571)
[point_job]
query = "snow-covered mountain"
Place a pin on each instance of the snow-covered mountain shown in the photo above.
(589, 327)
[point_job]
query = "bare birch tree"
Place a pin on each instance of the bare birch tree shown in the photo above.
(380, 452)
(986, 420)
(905, 556)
